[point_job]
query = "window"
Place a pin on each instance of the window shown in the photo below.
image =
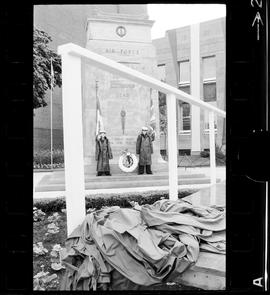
(209, 79)
(184, 152)
(209, 86)
(184, 72)
(185, 88)
(209, 68)
(209, 91)
(162, 72)
(184, 85)
(186, 116)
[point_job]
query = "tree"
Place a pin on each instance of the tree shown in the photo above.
(163, 115)
(42, 56)
(162, 112)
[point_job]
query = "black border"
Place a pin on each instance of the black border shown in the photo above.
(245, 106)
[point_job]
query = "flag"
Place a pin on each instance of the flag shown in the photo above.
(152, 112)
(52, 74)
(99, 122)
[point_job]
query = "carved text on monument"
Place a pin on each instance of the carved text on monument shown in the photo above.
(119, 84)
(123, 51)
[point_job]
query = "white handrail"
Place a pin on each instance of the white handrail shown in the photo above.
(136, 76)
(71, 55)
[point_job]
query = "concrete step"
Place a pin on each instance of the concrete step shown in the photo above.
(123, 184)
(126, 177)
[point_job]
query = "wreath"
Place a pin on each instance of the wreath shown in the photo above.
(128, 162)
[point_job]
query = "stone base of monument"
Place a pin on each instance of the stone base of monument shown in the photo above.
(56, 181)
(159, 165)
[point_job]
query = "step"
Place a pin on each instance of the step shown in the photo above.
(124, 184)
(88, 178)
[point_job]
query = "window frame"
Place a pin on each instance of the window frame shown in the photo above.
(162, 65)
(184, 83)
(182, 131)
(206, 81)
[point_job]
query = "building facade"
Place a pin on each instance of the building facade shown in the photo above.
(70, 23)
(67, 23)
(173, 54)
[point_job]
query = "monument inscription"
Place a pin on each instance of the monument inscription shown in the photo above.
(119, 84)
(121, 51)
(125, 105)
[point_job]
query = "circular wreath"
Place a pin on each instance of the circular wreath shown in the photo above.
(128, 162)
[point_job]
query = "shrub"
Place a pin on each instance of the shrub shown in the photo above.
(98, 201)
(204, 154)
(50, 206)
(220, 156)
(42, 159)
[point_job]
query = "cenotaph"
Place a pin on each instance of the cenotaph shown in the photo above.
(125, 105)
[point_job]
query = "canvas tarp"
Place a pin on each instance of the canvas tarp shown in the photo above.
(121, 248)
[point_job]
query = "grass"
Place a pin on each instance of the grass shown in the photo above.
(43, 262)
(39, 235)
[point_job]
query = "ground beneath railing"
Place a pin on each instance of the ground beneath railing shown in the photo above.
(207, 274)
(49, 240)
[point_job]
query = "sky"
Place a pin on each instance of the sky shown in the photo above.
(171, 16)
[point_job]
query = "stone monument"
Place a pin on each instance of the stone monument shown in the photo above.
(124, 105)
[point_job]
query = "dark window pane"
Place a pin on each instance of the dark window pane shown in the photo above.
(186, 109)
(186, 123)
(184, 152)
(185, 89)
(209, 92)
(186, 116)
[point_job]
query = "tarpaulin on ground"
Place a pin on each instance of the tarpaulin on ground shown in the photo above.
(121, 248)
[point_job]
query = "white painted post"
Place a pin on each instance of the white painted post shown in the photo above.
(212, 158)
(172, 147)
(195, 87)
(212, 148)
(73, 140)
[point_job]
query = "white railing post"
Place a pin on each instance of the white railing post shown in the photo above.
(212, 148)
(172, 147)
(195, 87)
(72, 123)
(73, 140)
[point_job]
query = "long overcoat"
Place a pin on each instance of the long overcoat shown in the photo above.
(103, 154)
(144, 148)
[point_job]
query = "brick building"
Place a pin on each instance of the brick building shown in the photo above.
(67, 23)
(173, 54)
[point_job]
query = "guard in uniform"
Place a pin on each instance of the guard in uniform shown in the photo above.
(144, 148)
(103, 154)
